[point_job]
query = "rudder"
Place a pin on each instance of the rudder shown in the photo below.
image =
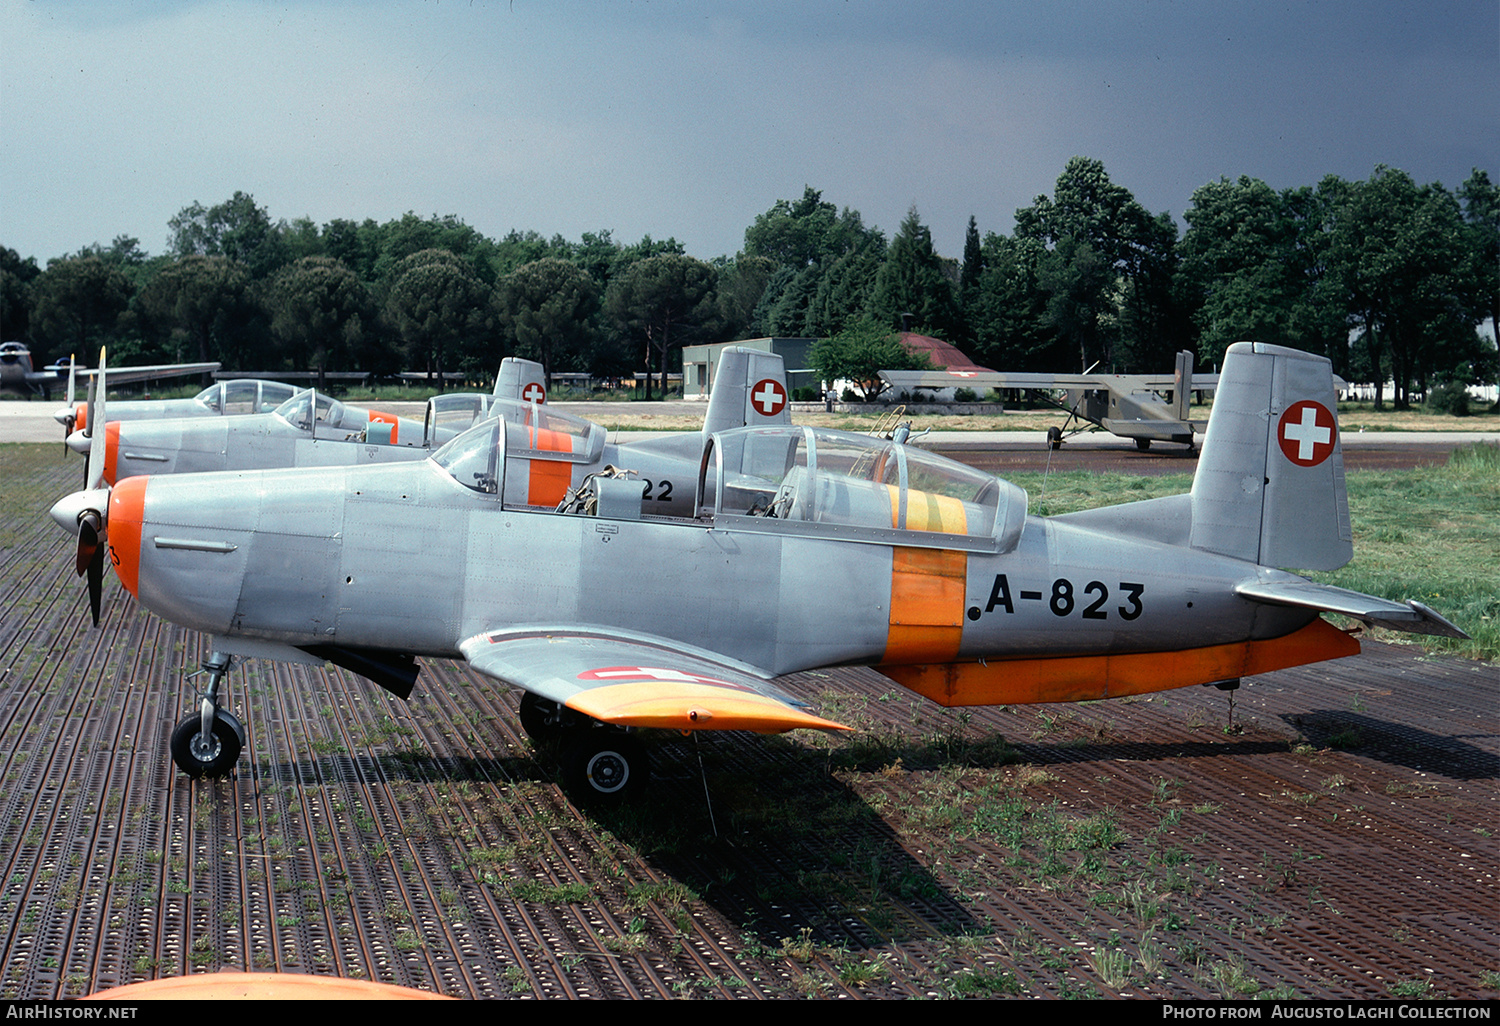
(749, 389)
(1270, 482)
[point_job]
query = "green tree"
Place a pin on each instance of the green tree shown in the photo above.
(1481, 209)
(78, 303)
(859, 353)
(205, 308)
(320, 314)
(442, 312)
(548, 307)
(914, 281)
(809, 241)
(236, 228)
(664, 301)
(742, 282)
(1396, 253)
(16, 276)
(846, 287)
(1081, 302)
(1008, 314)
(1109, 230)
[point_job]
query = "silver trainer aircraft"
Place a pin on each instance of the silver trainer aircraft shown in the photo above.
(559, 450)
(260, 399)
(803, 548)
(234, 397)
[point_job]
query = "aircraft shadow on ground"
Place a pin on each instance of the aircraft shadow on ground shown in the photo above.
(1400, 744)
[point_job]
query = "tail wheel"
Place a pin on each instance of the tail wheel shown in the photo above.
(1054, 438)
(205, 755)
(604, 767)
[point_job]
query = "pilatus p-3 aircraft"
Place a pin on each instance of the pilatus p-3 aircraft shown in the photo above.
(801, 548)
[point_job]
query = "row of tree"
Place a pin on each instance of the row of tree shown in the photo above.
(1388, 278)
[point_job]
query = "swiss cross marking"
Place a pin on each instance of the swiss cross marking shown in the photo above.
(1306, 433)
(768, 397)
(534, 393)
(654, 673)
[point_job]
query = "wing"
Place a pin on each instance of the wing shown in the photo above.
(162, 370)
(979, 378)
(638, 681)
(1411, 616)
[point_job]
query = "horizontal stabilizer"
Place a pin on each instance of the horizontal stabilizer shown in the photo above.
(1411, 617)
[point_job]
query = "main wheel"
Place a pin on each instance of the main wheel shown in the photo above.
(604, 767)
(201, 755)
(540, 717)
(1143, 444)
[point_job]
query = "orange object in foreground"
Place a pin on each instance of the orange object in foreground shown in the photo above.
(231, 986)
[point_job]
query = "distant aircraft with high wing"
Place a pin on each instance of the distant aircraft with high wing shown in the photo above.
(801, 548)
(1129, 405)
(17, 374)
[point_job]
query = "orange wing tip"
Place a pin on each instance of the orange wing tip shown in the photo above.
(676, 705)
(231, 986)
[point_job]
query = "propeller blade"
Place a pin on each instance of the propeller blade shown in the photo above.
(96, 581)
(96, 424)
(88, 542)
(72, 396)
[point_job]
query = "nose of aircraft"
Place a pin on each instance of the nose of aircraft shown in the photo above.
(68, 511)
(82, 443)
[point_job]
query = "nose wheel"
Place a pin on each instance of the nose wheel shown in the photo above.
(209, 742)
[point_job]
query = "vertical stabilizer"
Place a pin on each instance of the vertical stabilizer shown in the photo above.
(1182, 387)
(1270, 481)
(749, 389)
(521, 379)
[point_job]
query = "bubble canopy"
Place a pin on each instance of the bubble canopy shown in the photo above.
(305, 408)
(524, 431)
(812, 481)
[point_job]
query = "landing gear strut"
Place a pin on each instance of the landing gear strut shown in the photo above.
(208, 742)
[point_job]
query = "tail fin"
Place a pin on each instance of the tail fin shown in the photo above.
(1182, 387)
(749, 389)
(1270, 481)
(521, 379)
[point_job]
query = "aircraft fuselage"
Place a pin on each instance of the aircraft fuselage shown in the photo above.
(403, 558)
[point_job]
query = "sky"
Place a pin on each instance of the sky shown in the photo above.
(688, 119)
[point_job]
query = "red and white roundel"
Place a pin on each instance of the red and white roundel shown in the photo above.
(768, 397)
(1306, 433)
(534, 393)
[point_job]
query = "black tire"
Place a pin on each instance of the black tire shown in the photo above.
(604, 767)
(1054, 438)
(1143, 444)
(540, 718)
(212, 760)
